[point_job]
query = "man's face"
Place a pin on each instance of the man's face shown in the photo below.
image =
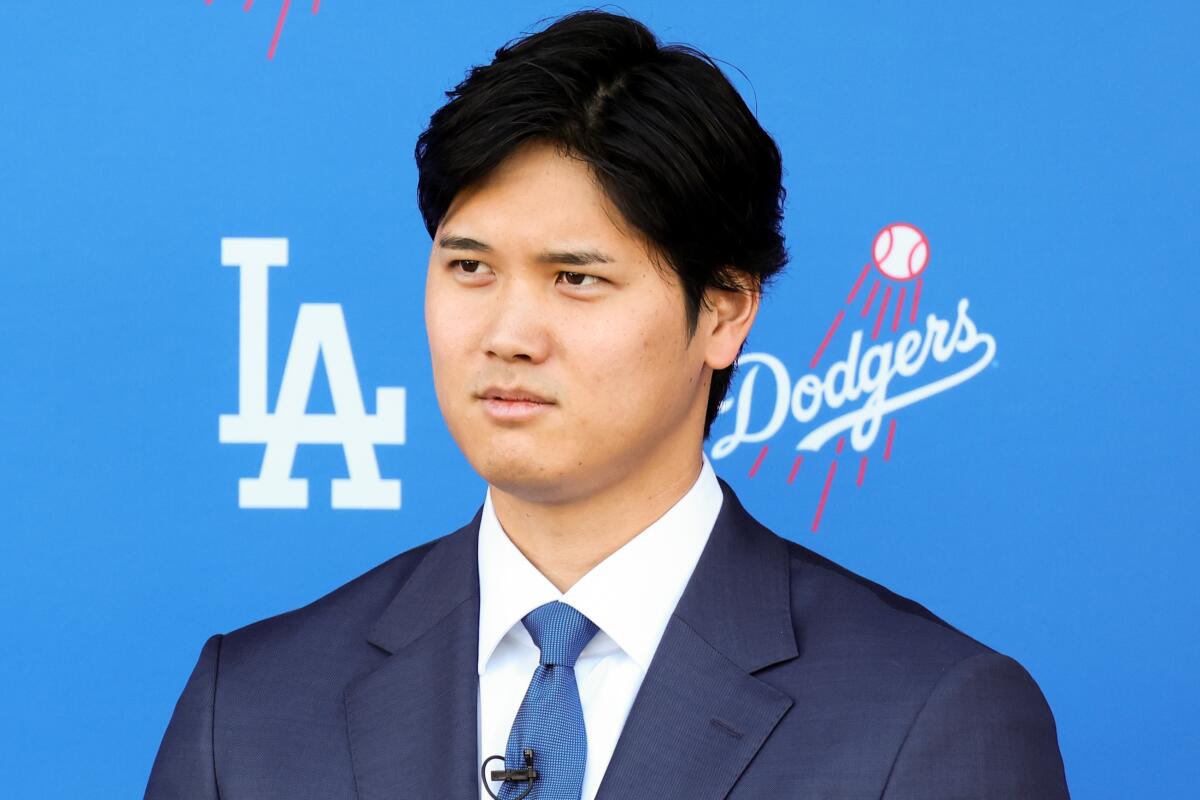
(537, 287)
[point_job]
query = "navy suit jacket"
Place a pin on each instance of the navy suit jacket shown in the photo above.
(779, 675)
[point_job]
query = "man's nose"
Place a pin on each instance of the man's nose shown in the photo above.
(516, 328)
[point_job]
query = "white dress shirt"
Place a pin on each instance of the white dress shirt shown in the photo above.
(630, 596)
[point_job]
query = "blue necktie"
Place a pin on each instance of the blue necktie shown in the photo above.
(550, 720)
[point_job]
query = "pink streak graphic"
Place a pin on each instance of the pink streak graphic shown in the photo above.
(828, 335)
(824, 496)
(795, 468)
(758, 461)
(871, 297)
(283, 12)
(899, 308)
(887, 296)
(861, 277)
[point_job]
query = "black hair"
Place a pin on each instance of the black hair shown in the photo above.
(669, 139)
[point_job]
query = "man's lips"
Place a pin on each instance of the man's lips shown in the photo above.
(513, 404)
(512, 395)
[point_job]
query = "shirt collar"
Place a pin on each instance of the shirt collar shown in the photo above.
(630, 595)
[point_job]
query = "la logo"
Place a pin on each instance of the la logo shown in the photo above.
(320, 331)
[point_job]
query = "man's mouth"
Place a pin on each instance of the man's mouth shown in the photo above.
(515, 394)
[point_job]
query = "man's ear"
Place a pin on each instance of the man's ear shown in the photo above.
(730, 315)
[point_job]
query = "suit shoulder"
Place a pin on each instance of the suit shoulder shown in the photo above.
(345, 612)
(842, 610)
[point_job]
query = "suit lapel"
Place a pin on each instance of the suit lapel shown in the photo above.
(412, 722)
(700, 715)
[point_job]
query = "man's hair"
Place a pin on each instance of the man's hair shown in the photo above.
(667, 136)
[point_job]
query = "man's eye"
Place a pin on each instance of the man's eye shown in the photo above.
(580, 278)
(468, 265)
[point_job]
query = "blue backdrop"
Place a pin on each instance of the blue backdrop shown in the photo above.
(1045, 152)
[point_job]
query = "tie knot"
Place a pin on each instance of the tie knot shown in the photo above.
(560, 632)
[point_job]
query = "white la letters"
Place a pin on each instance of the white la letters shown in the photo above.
(320, 331)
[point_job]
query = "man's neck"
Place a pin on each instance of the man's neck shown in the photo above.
(565, 540)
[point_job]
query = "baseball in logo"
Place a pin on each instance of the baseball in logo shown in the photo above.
(855, 394)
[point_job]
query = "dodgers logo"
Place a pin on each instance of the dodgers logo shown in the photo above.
(320, 331)
(869, 384)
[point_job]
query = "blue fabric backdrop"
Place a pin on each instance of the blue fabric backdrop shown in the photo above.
(1046, 152)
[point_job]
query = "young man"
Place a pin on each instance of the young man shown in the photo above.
(612, 623)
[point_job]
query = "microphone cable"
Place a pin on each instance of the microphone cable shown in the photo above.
(526, 775)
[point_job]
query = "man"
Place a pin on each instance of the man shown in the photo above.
(612, 623)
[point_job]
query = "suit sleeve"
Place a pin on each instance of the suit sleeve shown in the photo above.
(185, 768)
(984, 732)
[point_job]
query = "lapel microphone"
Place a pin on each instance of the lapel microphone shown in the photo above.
(525, 775)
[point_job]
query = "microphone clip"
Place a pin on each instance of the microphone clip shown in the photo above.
(527, 774)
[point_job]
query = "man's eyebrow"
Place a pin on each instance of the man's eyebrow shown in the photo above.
(452, 242)
(574, 258)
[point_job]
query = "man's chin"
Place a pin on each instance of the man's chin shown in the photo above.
(530, 479)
